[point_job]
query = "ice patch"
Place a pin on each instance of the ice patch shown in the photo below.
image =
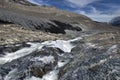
(76, 39)
(53, 75)
(45, 59)
(66, 46)
(90, 45)
(11, 75)
(33, 78)
(20, 53)
(112, 49)
(61, 63)
(99, 63)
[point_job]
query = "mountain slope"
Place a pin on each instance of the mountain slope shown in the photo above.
(47, 19)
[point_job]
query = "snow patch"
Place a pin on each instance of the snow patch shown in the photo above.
(61, 63)
(11, 75)
(90, 45)
(112, 49)
(45, 59)
(66, 46)
(33, 78)
(53, 75)
(20, 53)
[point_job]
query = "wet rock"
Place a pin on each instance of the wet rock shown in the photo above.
(12, 48)
(35, 64)
(93, 61)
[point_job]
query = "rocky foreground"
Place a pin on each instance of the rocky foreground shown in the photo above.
(44, 43)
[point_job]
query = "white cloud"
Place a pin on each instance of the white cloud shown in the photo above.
(99, 15)
(38, 2)
(117, 12)
(80, 3)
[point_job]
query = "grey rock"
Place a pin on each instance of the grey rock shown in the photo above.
(35, 23)
(30, 65)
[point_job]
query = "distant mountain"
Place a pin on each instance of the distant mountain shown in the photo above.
(115, 21)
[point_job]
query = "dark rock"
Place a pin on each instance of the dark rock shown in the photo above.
(33, 64)
(35, 23)
(4, 22)
(12, 48)
(92, 62)
(115, 21)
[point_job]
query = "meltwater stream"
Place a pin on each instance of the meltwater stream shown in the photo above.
(63, 45)
(66, 46)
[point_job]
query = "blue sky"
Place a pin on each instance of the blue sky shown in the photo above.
(98, 10)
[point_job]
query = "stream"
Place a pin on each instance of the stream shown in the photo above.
(74, 59)
(64, 47)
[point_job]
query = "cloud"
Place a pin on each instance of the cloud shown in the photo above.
(117, 12)
(38, 2)
(100, 16)
(109, 10)
(80, 3)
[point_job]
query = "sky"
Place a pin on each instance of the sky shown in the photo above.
(97, 10)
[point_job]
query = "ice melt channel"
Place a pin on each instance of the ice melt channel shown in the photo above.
(66, 46)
